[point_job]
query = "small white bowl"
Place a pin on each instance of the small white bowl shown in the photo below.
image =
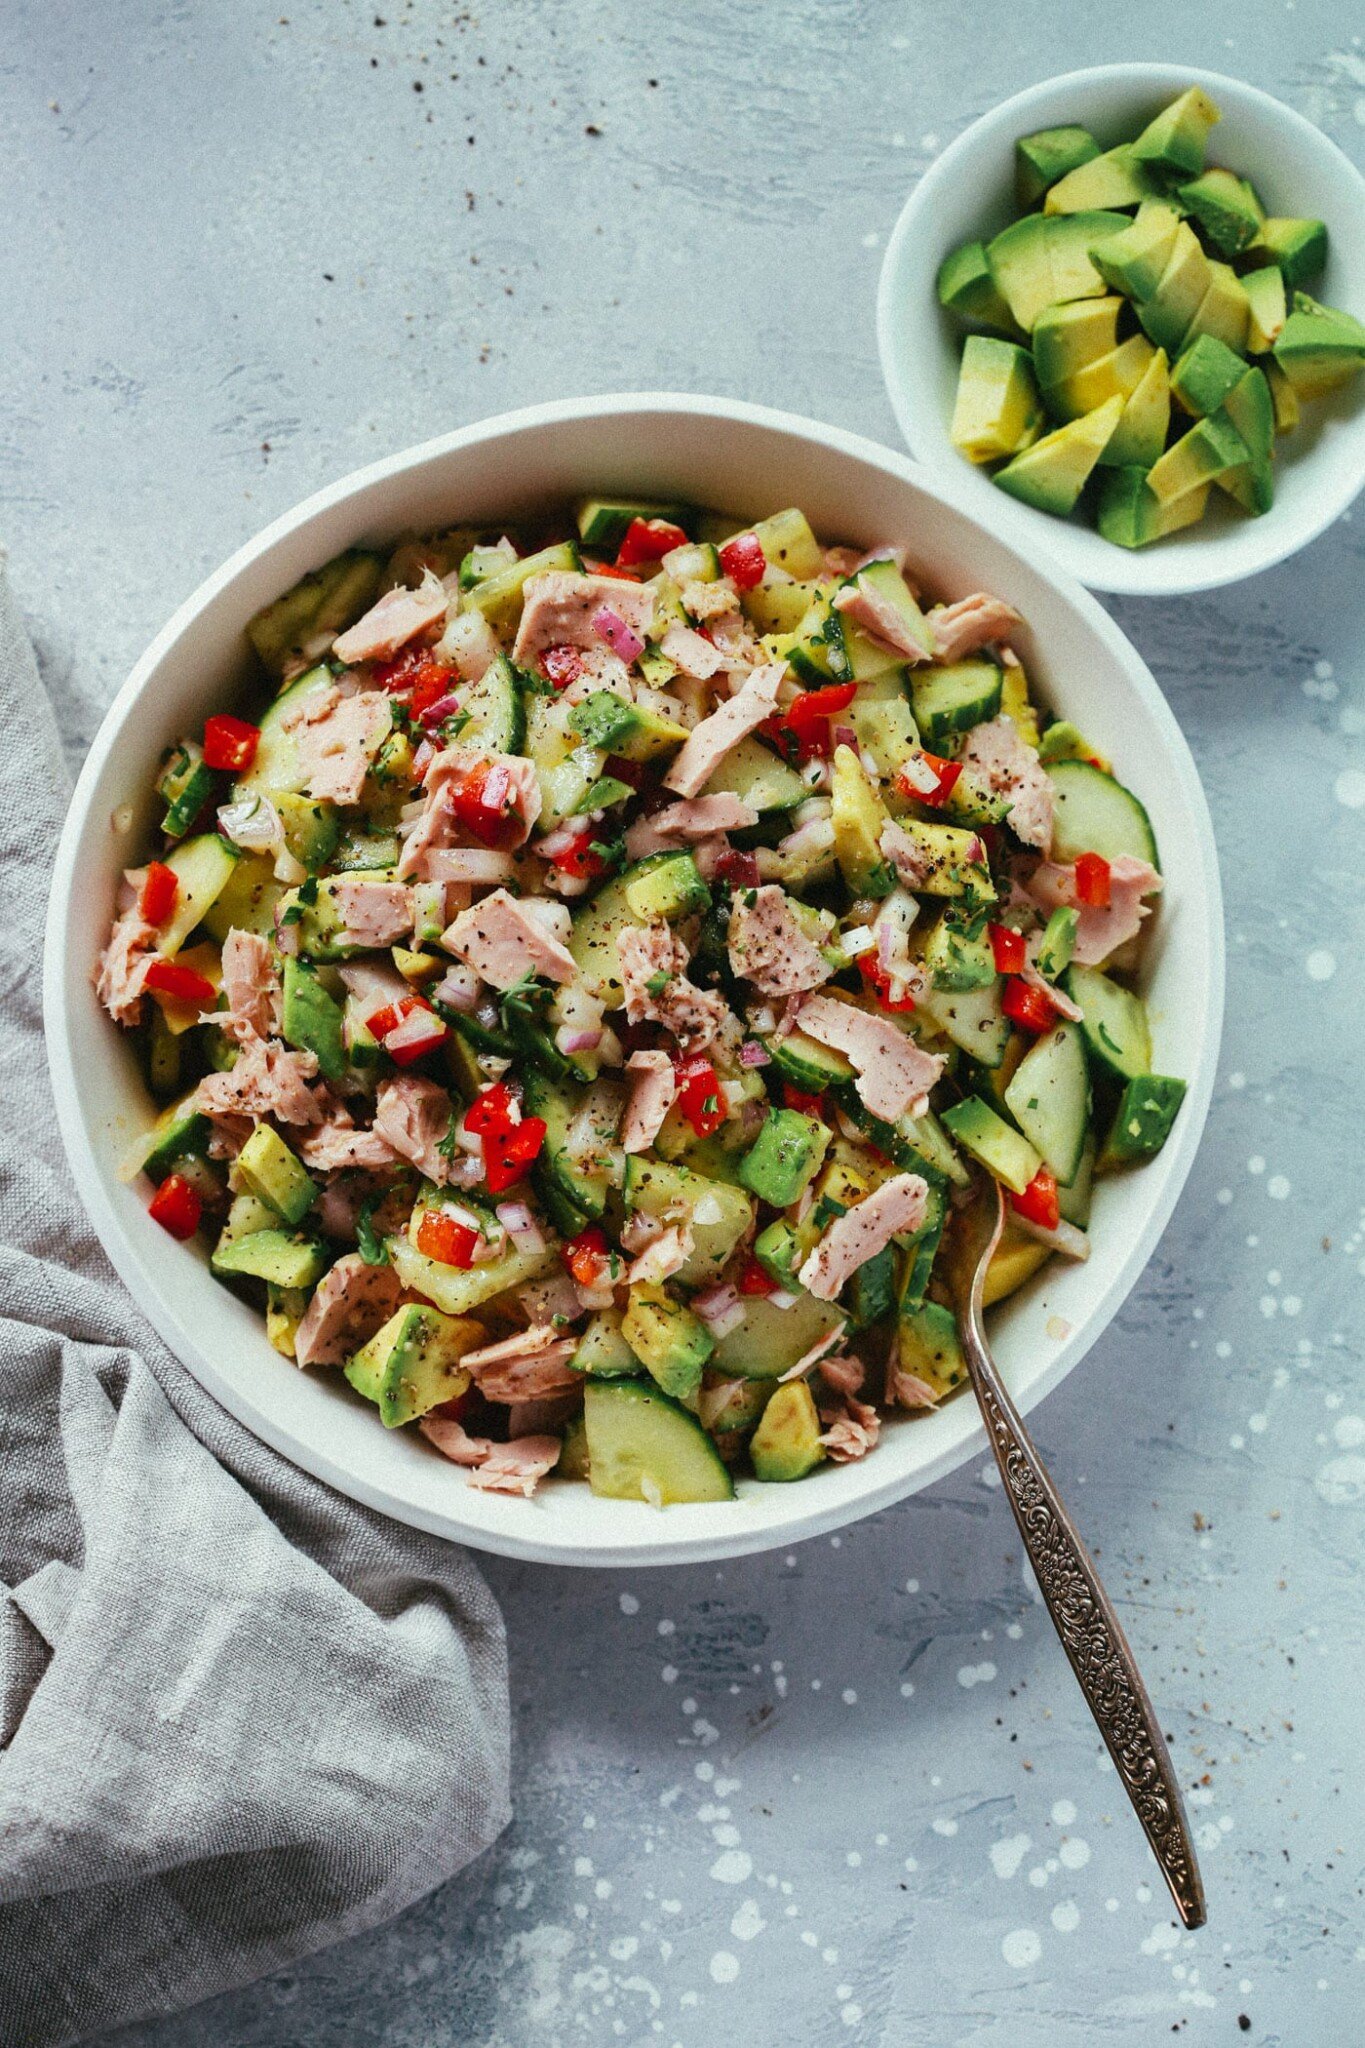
(749, 460)
(968, 194)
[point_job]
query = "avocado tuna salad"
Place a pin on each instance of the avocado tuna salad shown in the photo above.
(578, 992)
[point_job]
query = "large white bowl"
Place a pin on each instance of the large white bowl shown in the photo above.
(739, 457)
(967, 194)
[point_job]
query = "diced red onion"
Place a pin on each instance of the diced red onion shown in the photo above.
(521, 1226)
(458, 989)
(780, 1298)
(561, 840)
(418, 1028)
(574, 1038)
(621, 638)
(252, 822)
(752, 1054)
(720, 1308)
(845, 736)
(422, 759)
(444, 707)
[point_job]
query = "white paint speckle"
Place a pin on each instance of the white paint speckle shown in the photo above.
(1277, 1187)
(849, 1696)
(943, 1826)
(733, 1866)
(1007, 1855)
(975, 1674)
(1063, 1813)
(1341, 1482)
(629, 1604)
(1164, 1937)
(1349, 788)
(1321, 964)
(748, 1921)
(1066, 1916)
(724, 1967)
(1349, 1431)
(1074, 1854)
(1021, 1949)
(1256, 1163)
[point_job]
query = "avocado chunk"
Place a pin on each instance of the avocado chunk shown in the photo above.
(179, 1132)
(781, 1249)
(284, 1310)
(958, 956)
(1267, 307)
(929, 1349)
(668, 1339)
(1049, 1098)
(1297, 247)
(858, 815)
(953, 861)
(306, 620)
(871, 1291)
(632, 731)
(966, 288)
(1131, 516)
(311, 827)
(1251, 410)
(1132, 260)
(273, 1173)
(1319, 348)
(1226, 208)
(1040, 259)
(1209, 448)
(313, 1021)
(1052, 473)
(1115, 180)
(573, 1461)
(1176, 139)
(413, 1363)
(1068, 336)
(997, 410)
(1041, 159)
(603, 1353)
(1116, 375)
(1142, 1123)
(1002, 1151)
(668, 888)
(1204, 374)
(1283, 397)
(1057, 943)
(1224, 311)
(1140, 436)
(785, 1156)
(786, 1444)
(1180, 291)
(273, 1255)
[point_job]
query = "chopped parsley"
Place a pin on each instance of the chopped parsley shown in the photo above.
(373, 1249)
(657, 983)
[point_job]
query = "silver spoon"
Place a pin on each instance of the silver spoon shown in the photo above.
(1077, 1602)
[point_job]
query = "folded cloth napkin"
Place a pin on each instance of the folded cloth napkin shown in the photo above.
(240, 1716)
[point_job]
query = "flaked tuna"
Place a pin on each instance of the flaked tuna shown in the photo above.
(338, 737)
(267, 1079)
(653, 1087)
(398, 617)
(996, 756)
(528, 1366)
(414, 1115)
(769, 947)
(352, 1300)
(560, 607)
(972, 623)
(505, 939)
(894, 1075)
(654, 964)
(708, 744)
(373, 913)
(506, 782)
(251, 986)
(897, 1206)
(516, 1467)
(1099, 932)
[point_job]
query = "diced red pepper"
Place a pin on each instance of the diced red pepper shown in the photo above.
(1093, 881)
(410, 1044)
(447, 1240)
(561, 665)
(160, 888)
(1028, 1006)
(700, 1098)
(739, 869)
(648, 540)
(508, 1153)
(1039, 1200)
(802, 728)
(797, 1098)
(182, 984)
(230, 742)
(878, 979)
(744, 561)
(754, 1280)
(491, 1110)
(176, 1206)
(586, 1255)
(484, 801)
(947, 773)
(610, 569)
(578, 858)
(1008, 947)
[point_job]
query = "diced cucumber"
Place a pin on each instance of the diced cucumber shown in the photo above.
(973, 1018)
(928, 1347)
(1073, 1196)
(817, 651)
(203, 866)
(584, 1183)
(756, 775)
(602, 522)
(779, 607)
(881, 717)
(1058, 942)
(1049, 1098)
(185, 786)
(885, 580)
(247, 900)
(716, 1213)
(953, 698)
(1114, 1021)
(643, 1446)
(499, 598)
(272, 1254)
(1002, 1151)
(807, 1064)
(165, 1055)
(917, 1144)
(920, 1266)
(495, 709)
(566, 767)
(771, 1339)
(871, 1292)
(302, 624)
(1095, 814)
(179, 1132)
(603, 1353)
(1142, 1122)
(275, 764)
(456, 1290)
(788, 543)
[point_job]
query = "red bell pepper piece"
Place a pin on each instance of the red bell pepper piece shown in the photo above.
(1008, 947)
(160, 888)
(412, 1043)
(797, 1098)
(1027, 1006)
(753, 1279)
(744, 561)
(182, 984)
(230, 743)
(561, 666)
(609, 569)
(947, 773)
(587, 1255)
(648, 540)
(700, 1098)
(739, 869)
(508, 1153)
(176, 1206)
(578, 858)
(1039, 1200)
(803, 728)
(484, 801)
(491, 1110)
(878, 979)
(1093, 881)
(447, 1240)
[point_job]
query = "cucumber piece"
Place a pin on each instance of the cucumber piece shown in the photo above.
(304, 622)
(185, 785)
(779, 607)
(566, 768)
(203, 866)
(495, 709)
(456, 1290)
(915, 1144)
(602, 522)
(499, 598)
(871, 1293)
(275, 764)
(919, 1269)
(165, 1055)
(643, 1446)
(817, 652)
(973, 1018)
(558, 1104)
(771, 1339)
(357, 851)
(807, 1064)
(272, 1254)
(756, 775)
(1095, 814)
(603, 1353)
(1142, 1123)
(1073, 1199)
(573, 1455)
(788, 543)
(1114, 1021)
(716, 1213)
(929, 1348)
(1002, 1151)
(179, 1132)
(1049, 1099)
(885, 580)
(954, 698)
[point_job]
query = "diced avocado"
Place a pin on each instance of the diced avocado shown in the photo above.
(642, 1446)
(1064, 741)
(1015, 703)
(1140, 436)
(573, 1461)
(997, 410)
(958, 956)
(667, 1338)
(1040, 259)
(1002, 1151)
(1224, 311)
(1204, 374)
(416, 966)
(284, 1311)
(274, 1174)
(179, 1132)
(953, 696)
(786, 1443)
(1116, 375)
(857, 815)
(1131, 516)
(784, 1157)
(203, 867)
(602, 522)
(1226, 208)
(966, 288)
(603, 1353)
(1049, 1098)
(1068, 336)
(1041, 159)
(1057, 943)
(311, 827)
(1052, 473)
(929, 1349)
(1319, 348)
(1297, 247)
(413, 1363)
(1267, 307)
(272, 1254)
(778, 607)
(881, 717)
(1016, 1259)
(301, 625)
(1142, 1123)
(1209, 448)
(313, 1021)
(1115, 180)
(1118, 1036)
(730, 1406)
(1133, 260)
(1251, 410)
(671, 888)
(782, 1250)
(1180, 291)
(952, 861)
(1283, 397)
(619, 727)
(1176, 139)
(1070, 238)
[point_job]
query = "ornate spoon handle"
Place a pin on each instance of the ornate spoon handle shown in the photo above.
(1090, 1633)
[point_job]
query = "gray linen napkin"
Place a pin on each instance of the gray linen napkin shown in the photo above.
(240, 1717)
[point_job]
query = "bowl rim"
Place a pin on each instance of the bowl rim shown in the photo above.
(1201, 892)
(1123, 575)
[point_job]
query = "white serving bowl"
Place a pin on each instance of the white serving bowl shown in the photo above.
(739, 457)
(967, 194)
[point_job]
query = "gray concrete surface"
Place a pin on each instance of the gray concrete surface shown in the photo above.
(846, 1793)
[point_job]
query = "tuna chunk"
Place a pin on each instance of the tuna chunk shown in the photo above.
(707, 745)
(529, 1366)
(768, 946)
(1098, 932)
(653, 1086)
(861, 1232)
(691, 652)
(894, 1075)
(337, 1145)
(123, 965)
(871, 609)
(414, 1115)
(662, 1257)
(560, 606)
(913, 865)
(515, 1467)
(654, 965)
(399, 616)
(973, 622)
(506, 780)
(851, 1430)
(252, 987)
(338, 737)
(997, 756)
(268, 1079)
(350, 1303)
(503, 940)
(373, 913)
